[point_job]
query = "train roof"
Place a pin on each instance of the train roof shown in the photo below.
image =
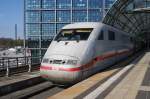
(82, 25)
(91, 25)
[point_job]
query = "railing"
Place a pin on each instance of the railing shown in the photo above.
(11, 63)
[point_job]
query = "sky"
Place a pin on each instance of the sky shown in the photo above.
(11, 13)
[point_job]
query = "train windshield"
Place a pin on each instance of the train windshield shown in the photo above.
(73, 34)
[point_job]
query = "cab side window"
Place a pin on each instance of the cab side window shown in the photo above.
(131, 39)
(111, 35)
(101, 35)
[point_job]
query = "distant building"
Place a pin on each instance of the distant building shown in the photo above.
(44, 18)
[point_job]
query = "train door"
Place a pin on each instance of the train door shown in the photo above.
(89, 57)
(112, 46)
(99, 49)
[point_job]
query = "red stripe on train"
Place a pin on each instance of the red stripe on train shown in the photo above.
(59, 68)
(70, 69)
(45, 68)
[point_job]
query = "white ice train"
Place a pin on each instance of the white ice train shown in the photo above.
(82, 49)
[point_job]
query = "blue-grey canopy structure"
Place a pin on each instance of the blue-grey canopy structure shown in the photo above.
(131, 16)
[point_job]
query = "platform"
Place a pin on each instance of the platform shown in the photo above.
(136, 84)
(129, 82)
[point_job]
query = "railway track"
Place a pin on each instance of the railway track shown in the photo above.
(39, 91)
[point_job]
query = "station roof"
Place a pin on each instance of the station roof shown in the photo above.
(131, 16)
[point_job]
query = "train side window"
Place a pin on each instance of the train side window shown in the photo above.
(101, 35)
(111, 35)
(131, 39)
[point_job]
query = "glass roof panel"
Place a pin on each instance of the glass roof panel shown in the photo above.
(131, 16)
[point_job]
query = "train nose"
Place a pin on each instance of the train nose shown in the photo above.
(60, 75)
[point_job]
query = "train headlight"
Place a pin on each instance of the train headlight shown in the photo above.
(51, 61)
(72, 62)
(45, 60)
(63, 62)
